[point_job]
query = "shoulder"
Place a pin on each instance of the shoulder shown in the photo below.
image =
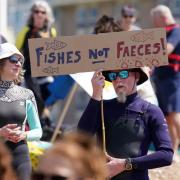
(150, 107)
(21, 36)
(141, 105)
(24, 30)
(135, 27)
(153, 109)
(175, 31)
(53, 31)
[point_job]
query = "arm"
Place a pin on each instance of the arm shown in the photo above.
(159, 133)
(172, 40)
(90, 120)
(35, 131)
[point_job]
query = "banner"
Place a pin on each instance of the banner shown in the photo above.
(117, 50)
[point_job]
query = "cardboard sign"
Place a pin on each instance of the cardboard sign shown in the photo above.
(107, 51)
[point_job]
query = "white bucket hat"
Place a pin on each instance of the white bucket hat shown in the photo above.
(8, 49)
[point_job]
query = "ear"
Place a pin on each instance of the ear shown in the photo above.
(137, 76)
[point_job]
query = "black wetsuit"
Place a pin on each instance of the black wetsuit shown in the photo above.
(130, 128)
(13, 111)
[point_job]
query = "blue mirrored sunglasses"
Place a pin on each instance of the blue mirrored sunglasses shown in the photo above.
(15, 59)
(122, 74)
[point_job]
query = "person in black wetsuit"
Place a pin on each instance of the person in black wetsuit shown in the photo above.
(131, 123)
(18, 107)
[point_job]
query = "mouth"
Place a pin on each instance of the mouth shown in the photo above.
(120, 87)
(16, 70)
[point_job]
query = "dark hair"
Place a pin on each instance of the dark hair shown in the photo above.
(106, 24)
(128, 10)
(21, 73)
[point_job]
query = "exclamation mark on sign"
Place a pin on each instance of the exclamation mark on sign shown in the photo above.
(163, 46)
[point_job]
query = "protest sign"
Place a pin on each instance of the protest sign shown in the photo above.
(117, 50)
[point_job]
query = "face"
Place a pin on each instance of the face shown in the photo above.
(11, 68)
(39, 15)
(158, 21)
(128, 19)
(124, 81)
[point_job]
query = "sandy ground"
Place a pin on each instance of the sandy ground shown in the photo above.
(166, 173)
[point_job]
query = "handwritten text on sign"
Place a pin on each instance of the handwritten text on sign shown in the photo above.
(72, 54)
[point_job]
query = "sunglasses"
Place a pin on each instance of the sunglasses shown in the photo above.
(38, 11)
(15, 59)
(126, 16)
(122, 74)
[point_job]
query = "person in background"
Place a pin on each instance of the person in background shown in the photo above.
(76, 156)
(167, 78)
(6, 170)
(127, 23)
(18, 107)
(128, 19)
(131, 124)
(39, 25)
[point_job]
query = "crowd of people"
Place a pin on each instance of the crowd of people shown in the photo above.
(113, 136)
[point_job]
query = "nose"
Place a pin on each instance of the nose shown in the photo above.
(18, 64)
(118, 79)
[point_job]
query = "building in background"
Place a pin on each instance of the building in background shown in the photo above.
(79, 16)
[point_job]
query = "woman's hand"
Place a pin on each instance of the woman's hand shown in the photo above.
(12, 132)
(18, 136)
(115, 166)
(8, 130)
(98, 82)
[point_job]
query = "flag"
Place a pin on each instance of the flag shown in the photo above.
(59, 89)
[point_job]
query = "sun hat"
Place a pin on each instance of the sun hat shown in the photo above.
(8, 49)
(142, 79)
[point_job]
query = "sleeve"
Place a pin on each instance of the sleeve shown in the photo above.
(160, 137)
(174, 38)
(35, 131)
(90, 119)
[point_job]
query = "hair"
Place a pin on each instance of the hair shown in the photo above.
(20, 76)
(6, 170)
(50, 18)
(128, 9)
(106, 24)
(81, 152)
(162, 10)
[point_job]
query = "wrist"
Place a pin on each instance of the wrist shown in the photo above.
(96, 97)
(128, 164)
(25, 136)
